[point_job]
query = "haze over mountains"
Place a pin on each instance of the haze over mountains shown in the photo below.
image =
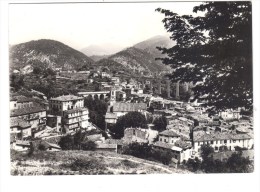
(54, 54)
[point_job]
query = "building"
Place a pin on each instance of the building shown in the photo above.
(110, 118)
(169, 136)
(221, 140)
(20, 101)
(230, 114)
(35, 115)
(20, 128)
(66, 102)
(139, 135)
(180, 150)
(21, 145)
(121, 109)
(75, 119)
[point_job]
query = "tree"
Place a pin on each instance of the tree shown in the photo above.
(206, 150)
(214, 52)
(131, 119)
(160, 123)
(238, 164)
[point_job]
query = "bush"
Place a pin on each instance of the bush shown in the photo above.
(41, 147)
(89, 146)
(194, 164)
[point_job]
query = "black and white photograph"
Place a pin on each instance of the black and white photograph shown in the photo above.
(130, 88)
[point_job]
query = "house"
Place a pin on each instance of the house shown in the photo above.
(21, 145)
(34, 114)
(110, 118)
(221, 140)
(183, 130)
(230, 114)
(118, 142)
(139, 135)
(75, 119)
(180, 150)
(121, 109)
(106, 147)
(20, 101)
(54, 121)
(66, 102)
(169, 136)
(20, 128)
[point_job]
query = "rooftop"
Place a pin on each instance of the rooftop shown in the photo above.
(111, 116)
(220, 136)
(128, 107)
(25, 111)
(21, 99)
(106, 146)
(75, 110)
(169, 133)
(15, 122)
(66, 98)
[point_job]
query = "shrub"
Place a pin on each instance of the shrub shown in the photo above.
(89, 146)
(41, 147)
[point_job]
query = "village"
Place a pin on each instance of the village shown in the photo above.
(38, 121)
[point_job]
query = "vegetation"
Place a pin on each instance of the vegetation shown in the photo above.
(131, 119)
(83, 163)
(76, 142)
(145, 151)
(16, 81)
(214, 52)
(160, 123)
(236, 163)
(97, 110)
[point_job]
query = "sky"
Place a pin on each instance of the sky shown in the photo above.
(83, 24)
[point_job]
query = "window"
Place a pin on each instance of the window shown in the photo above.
(216, 148)
(211, 142)
(164, 140)
(133, 132)
(225, 141)
(160, 139)
(198, 143)
(216, 142)
(15, 105)
(234, 141)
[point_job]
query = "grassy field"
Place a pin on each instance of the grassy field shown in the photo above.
(84, 163)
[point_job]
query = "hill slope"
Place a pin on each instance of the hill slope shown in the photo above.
(150, 45)
(84, 163)
(137, 59)
(48, 54)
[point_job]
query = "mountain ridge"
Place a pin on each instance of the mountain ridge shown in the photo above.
(46, 53)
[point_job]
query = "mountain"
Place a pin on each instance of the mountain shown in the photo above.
(137, 60)
(113, 66)
(150, 45)
(48, 54)
(100, 50)
(99, 57)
